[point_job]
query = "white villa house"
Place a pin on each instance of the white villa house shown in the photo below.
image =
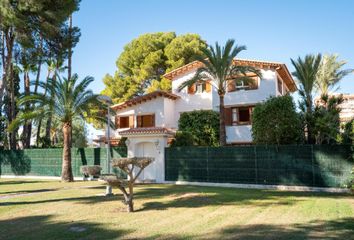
(158, 112)
(151, 120)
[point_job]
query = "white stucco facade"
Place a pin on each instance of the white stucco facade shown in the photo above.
(152, 145)
(167, 109)
(150, 121)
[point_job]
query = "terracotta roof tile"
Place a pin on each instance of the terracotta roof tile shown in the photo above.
(149, 130)
(144, 98)
(279, 67)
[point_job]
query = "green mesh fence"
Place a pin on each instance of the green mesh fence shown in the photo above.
(47, 162)
(310, 165)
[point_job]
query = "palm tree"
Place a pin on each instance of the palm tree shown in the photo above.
(72, 101)
(219, 68)
(26, 68)
(54, 67)
(306, 72)
(330, 73)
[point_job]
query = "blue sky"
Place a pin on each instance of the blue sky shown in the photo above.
(273, 30)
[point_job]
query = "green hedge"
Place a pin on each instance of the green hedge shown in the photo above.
(308, 165)
(47, 162)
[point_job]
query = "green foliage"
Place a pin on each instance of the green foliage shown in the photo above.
(122, 142)
(201, 126)
(73, 101)
(144, 61)
(32, 31)
(79, 134)
(276, 122)
(321, 74)
(2, 130)
(326, 120)
(305, 73)
(330, 73)
(183, 49)
(184, 138)
(218, 65)
(27, 18)
(347, 134)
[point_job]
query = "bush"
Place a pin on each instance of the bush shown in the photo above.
(202, 126)
(276, 122)
(184, 139)
(326, 124)
(347, 133)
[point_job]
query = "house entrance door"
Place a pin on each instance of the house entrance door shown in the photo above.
(147, 149)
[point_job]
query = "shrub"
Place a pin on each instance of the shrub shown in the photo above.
(347, 133)
(276, 122)
(326, 125)
(201, 125)
(184, 139)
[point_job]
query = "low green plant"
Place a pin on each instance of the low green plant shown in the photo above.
(276, 122)
(201, 126)
(184, 139)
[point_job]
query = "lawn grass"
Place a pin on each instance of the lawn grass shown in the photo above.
(34, 209)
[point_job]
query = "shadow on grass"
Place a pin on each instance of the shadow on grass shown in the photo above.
(5, 182)
(30, 191)
(192, 197)
(45, 227)
(80, 200)
(332, 229)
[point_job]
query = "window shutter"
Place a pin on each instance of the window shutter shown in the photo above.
(228, 116)
(131, 121)
(208, 86)
(117, 122)
(153, 120)
(191, 89)
(138, 121)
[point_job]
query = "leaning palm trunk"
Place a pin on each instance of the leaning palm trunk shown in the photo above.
(222, 129)
(66, 173)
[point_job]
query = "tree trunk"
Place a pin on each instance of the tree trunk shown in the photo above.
(310, 137)
(9, 39)
(130, 199)
(50, 116)
(70, 48)
(29, 134)
(39, 65)
(47, 130)
(38, 132)
(222, 136)
(40, 120)
(27, 127)
(3, 61)
(67, 174)
(13, 141)
(130, 205)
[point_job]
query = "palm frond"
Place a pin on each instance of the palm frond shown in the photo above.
(201, 74)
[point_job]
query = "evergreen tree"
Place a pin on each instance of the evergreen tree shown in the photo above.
(144, 61)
